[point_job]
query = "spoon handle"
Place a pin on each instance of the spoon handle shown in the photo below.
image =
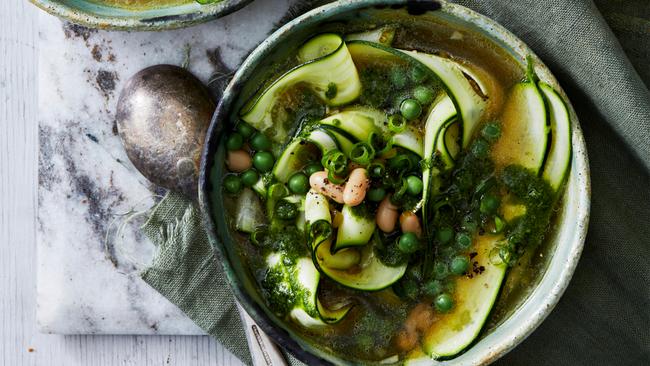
(263, 351)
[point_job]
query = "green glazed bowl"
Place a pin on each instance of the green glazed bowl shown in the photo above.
(96, 15)
(564, 245)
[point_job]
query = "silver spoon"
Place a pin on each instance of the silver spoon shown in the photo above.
(162, 117)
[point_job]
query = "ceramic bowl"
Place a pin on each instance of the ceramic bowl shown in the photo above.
(564, 245)
(96, 15)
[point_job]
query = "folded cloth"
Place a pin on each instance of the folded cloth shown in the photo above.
(603, 317)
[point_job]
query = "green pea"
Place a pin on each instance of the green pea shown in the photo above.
(423, 94)
(312, 168)
(376, 194)
(263, 161)
(432, 288)
(418, 74)
(398, 77)
(440, 270)
(463, 240)
(260, 142)
(444, 303)
(414, 185)
(480, 148)
(299, 183)
(249, 177)
(408, 243)
(489, 204)
(410, 109)
(445, 234)
(459, 265)
(245, 129)
(235, 141)
(232, 183)
(491, 131)
(286, 210)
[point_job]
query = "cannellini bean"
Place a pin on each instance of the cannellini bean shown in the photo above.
(356, 187)
(406, 340)
(386, 215)
(319, 182)
(238, 161)
(420, 318)
(410, 223)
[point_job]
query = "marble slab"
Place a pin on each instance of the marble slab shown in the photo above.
(85, 286)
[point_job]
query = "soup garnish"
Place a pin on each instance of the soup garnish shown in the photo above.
(385, 193)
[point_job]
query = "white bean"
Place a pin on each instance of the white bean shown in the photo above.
(239, 161)
(410, 223)
(386, 215)
(356, 187)
(321, 184)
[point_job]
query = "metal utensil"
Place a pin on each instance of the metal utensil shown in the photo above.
(162, 116)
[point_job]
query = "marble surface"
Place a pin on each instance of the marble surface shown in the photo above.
(86, 284)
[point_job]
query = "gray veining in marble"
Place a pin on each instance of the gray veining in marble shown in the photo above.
(86, 180)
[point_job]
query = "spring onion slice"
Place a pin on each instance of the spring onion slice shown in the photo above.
(362, 153)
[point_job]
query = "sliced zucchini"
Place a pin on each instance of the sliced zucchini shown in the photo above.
(559, 156)
(344, 259)
(333, 316)
(441, 115)
(524, 130)
(317, 208)
(474, 298)
(317, 211)
(291, 160)
(360, 270)
(302, 279)
(249, 212)
(474, 78)
(449, 141)
(310, 313)
(410, 139)
(332, 77)
(323, 140)
(369, 275)
(470, 104)
(356, 228)
(318, 47)
(524, 120)
(275, 193)
(358, 123)
(345, 143)
(260, 188)
(306, 278)
(383, 35)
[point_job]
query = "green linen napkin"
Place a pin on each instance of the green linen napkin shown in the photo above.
(604, 317)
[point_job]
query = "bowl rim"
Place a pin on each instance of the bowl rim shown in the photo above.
(140, 23)
(579, 175)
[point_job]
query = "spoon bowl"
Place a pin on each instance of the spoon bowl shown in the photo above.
(162, 116)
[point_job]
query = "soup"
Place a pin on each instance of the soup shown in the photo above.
(381, 189)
